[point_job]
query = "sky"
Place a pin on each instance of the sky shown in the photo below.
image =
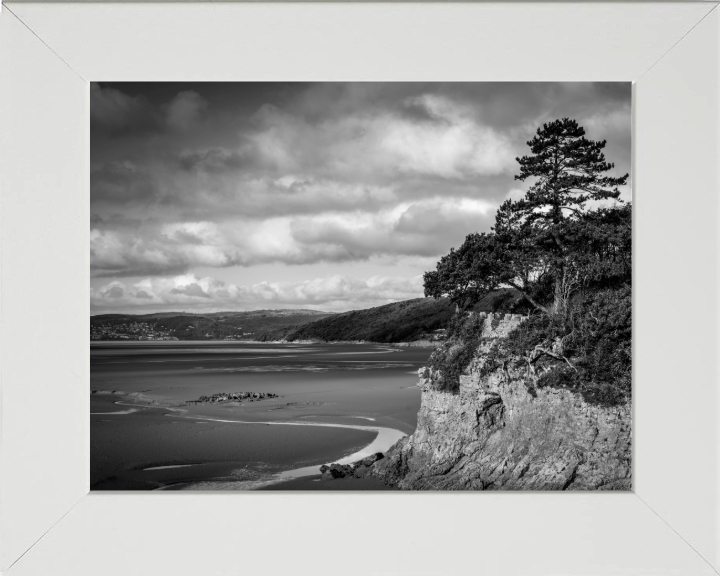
(323, 196)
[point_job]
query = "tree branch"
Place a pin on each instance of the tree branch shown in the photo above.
(529, 298)
(540, 350)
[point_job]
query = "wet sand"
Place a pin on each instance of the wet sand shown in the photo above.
(123, 448)
(242, 445)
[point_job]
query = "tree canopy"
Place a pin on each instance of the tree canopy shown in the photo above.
(561, 236)
(565, 248)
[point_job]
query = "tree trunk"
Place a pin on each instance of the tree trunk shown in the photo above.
(559, 301)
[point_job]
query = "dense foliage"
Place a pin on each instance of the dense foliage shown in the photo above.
(397, 322)
(596, 340)
(540, 241)
(565, 248)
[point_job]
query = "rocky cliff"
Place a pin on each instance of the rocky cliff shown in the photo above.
(500, 432)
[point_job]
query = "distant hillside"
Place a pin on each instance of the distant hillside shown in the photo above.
(187, 326)
(397, 322)
(405, 321)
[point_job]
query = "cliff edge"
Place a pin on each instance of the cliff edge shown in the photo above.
(500, 431)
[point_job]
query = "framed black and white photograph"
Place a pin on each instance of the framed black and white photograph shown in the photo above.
(444, 275)
(360, 286)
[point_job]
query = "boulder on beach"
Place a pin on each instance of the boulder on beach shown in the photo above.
(358, 469)
(339, 468)
(333, 473)
(361, 471)
(336, 470)
(370, 460)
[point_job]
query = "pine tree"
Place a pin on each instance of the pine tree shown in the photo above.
(569, 172)
(552, 239)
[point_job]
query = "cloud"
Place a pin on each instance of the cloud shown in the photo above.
(452, 143)
(211, 160)
(165, 250)
(246, 174)
(425, 228)
(604, 123)
(121, 182)
(342, 145)
(336, 292)
(516, 194)
(114, 292)
(184, 111)
(193, 289)
(449, 142)
(116, 113)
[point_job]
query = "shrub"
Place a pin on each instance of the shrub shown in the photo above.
(596, 335)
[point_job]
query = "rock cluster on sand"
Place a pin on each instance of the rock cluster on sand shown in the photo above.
(357, 469)
(227, 396)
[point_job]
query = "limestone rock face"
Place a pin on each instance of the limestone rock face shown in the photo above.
(500, 433)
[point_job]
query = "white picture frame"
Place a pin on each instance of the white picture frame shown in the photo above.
(51, 524)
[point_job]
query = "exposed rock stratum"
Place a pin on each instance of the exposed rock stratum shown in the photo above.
(501, 433)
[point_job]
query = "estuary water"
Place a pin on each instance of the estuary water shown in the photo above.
(336, 402)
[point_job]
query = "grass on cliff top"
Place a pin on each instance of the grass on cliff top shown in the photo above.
(596, 333)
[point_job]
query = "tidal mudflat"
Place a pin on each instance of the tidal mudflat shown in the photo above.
(335, 402)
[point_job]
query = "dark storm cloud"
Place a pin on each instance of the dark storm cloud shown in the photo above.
(220, 175)
(114, 113)
(185, 110)
(121, 182)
